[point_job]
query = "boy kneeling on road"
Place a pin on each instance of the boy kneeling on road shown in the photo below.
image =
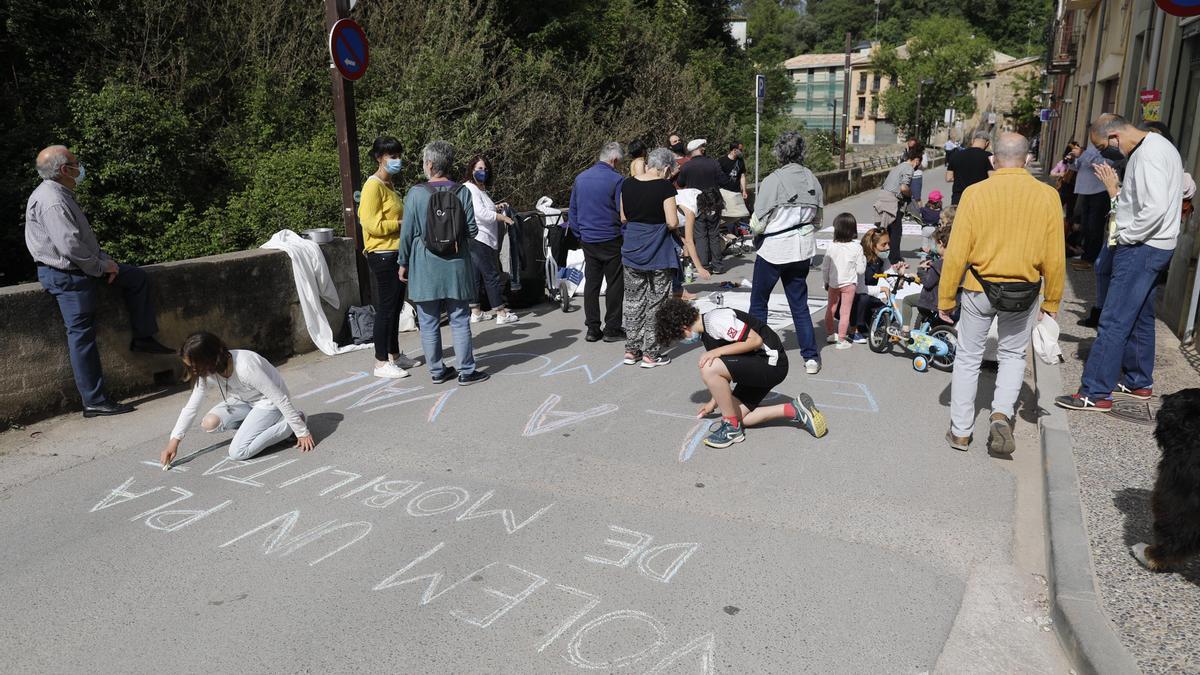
(743, 360)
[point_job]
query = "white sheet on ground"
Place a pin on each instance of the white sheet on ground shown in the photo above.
(779, 313)
(313, 284)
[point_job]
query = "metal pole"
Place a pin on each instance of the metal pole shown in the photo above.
(347, 142)
(757, 142)
(1098, 35)
(1155, 45)
(846, 101)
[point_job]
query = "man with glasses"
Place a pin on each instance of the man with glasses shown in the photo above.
(70, 266)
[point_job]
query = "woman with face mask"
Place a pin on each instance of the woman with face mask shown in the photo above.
(485, 249)
(380, 211)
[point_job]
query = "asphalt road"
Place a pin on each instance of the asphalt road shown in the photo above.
(562, 517)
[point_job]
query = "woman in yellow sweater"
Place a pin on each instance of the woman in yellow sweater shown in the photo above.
(380, 211)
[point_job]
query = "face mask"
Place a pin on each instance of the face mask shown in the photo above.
(392, 166)
(691, 339)
(884, 253)
(481, 176)
(677, 148)
(1112, 153)
(82, 173)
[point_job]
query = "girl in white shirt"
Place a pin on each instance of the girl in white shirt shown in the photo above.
(845, 262)
(485, 249)
(254, 399)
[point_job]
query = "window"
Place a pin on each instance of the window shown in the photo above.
(875, 84)
(812, 75)
(875, 107)
(862, 107)
(862, 81)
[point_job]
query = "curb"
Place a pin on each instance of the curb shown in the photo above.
(1085, 632)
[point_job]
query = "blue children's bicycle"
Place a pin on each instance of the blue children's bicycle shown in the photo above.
(929, 345)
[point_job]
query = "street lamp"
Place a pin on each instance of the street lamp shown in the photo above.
(920, 83)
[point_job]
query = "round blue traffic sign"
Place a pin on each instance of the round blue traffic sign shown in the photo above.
(348, 48)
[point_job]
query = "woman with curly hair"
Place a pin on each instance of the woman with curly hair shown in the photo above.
(743, 360)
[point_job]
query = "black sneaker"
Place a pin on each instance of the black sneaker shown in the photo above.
(468, 379)
(593, 335)
(107, 409)
(447, 374)
(616, 336)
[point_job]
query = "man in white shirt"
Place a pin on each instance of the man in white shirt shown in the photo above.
(1121, 362)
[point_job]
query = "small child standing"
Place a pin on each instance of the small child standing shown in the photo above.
(931, 216)
(930, 272)
(845, 262)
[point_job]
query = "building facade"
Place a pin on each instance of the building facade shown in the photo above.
(819, 80)
(1103, 56)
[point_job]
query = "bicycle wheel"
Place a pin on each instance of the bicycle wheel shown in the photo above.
(948, 335)
(878, 339)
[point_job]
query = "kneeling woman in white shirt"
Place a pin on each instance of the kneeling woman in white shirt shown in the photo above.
(254, 399)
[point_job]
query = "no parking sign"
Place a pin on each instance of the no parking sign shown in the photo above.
(348, 48)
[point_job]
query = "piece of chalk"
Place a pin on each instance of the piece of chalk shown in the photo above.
(166, 467)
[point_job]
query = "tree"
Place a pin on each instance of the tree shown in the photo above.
(944, 57)
(1027, 102)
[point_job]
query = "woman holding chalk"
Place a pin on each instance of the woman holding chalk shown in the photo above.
(254, 399)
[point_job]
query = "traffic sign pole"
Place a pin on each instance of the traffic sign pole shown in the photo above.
(760, 91)
(347, 142)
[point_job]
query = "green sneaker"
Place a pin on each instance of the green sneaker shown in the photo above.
(725, 436)
(808, 416)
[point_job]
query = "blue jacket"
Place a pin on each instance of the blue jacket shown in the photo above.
(595, 215)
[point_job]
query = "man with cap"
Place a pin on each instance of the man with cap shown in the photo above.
(705, 174)
(701, 171)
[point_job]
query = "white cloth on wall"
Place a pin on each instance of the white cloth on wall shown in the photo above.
(313, 284)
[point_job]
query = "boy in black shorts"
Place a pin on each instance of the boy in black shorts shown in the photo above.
(743, 360)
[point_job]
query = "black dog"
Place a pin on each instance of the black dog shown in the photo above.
(1176, 499)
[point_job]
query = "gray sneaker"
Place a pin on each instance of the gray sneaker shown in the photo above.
(405, 362)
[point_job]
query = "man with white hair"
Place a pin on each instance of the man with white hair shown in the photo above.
(1006, 248)
(595, 217)
(70, 265)
(1140, 244)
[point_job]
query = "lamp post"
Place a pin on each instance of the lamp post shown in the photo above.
(920, 83)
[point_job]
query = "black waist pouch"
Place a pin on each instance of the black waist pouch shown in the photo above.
(1009, 296)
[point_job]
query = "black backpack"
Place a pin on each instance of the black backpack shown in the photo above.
(445, 222)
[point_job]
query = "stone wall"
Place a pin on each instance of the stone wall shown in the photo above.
(840, 184)
(248, 298)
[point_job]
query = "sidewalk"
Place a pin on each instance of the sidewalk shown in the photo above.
(1157, 616)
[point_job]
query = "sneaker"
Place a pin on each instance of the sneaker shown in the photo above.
(858, 338)
(808, 416)
(1081, 402)
(481, 317)
(648, 362)
(593, 335)
(812, 366)
(725, 435)
(631, 358)
(1144, 394)
(445, 376)
(616, 336)
(958, 442)
(404, 361)
(1000, 437)
(391, 371)
(502, 319)
(467, 379)
(831, 340)
(844, 344)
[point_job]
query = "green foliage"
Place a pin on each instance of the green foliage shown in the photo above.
(945, 56)
(1016, 27)
(1027, 102)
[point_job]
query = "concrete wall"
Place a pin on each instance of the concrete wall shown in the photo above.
(248, 298)
(841, 184)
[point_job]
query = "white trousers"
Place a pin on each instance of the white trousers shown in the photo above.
(973, 324)
(257, 428)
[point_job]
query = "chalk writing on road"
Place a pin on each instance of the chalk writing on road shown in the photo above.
(575, 620)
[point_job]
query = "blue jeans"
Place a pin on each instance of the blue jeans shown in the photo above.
(1125, 341)
(1103, 267)
(76, 294)
(795, 287)
(429, 317)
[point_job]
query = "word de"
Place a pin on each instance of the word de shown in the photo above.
(646, 555)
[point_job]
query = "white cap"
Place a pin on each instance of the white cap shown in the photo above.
(1045, 340)
(696, 143)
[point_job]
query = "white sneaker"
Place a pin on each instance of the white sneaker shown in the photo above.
(831, 340)
(391, 371)
(844, 344)
(812, 366)
(509, 317)
(482, 316)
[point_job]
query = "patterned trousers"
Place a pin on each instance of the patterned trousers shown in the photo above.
(645, 292)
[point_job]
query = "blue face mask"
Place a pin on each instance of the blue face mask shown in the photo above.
(481, 176)
(691, 339)
(393, 166)
(82, 173)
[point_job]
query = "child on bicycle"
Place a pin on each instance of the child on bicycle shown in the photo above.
(743, 360)
(844, 264)
(871, 295)
(924, 306)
